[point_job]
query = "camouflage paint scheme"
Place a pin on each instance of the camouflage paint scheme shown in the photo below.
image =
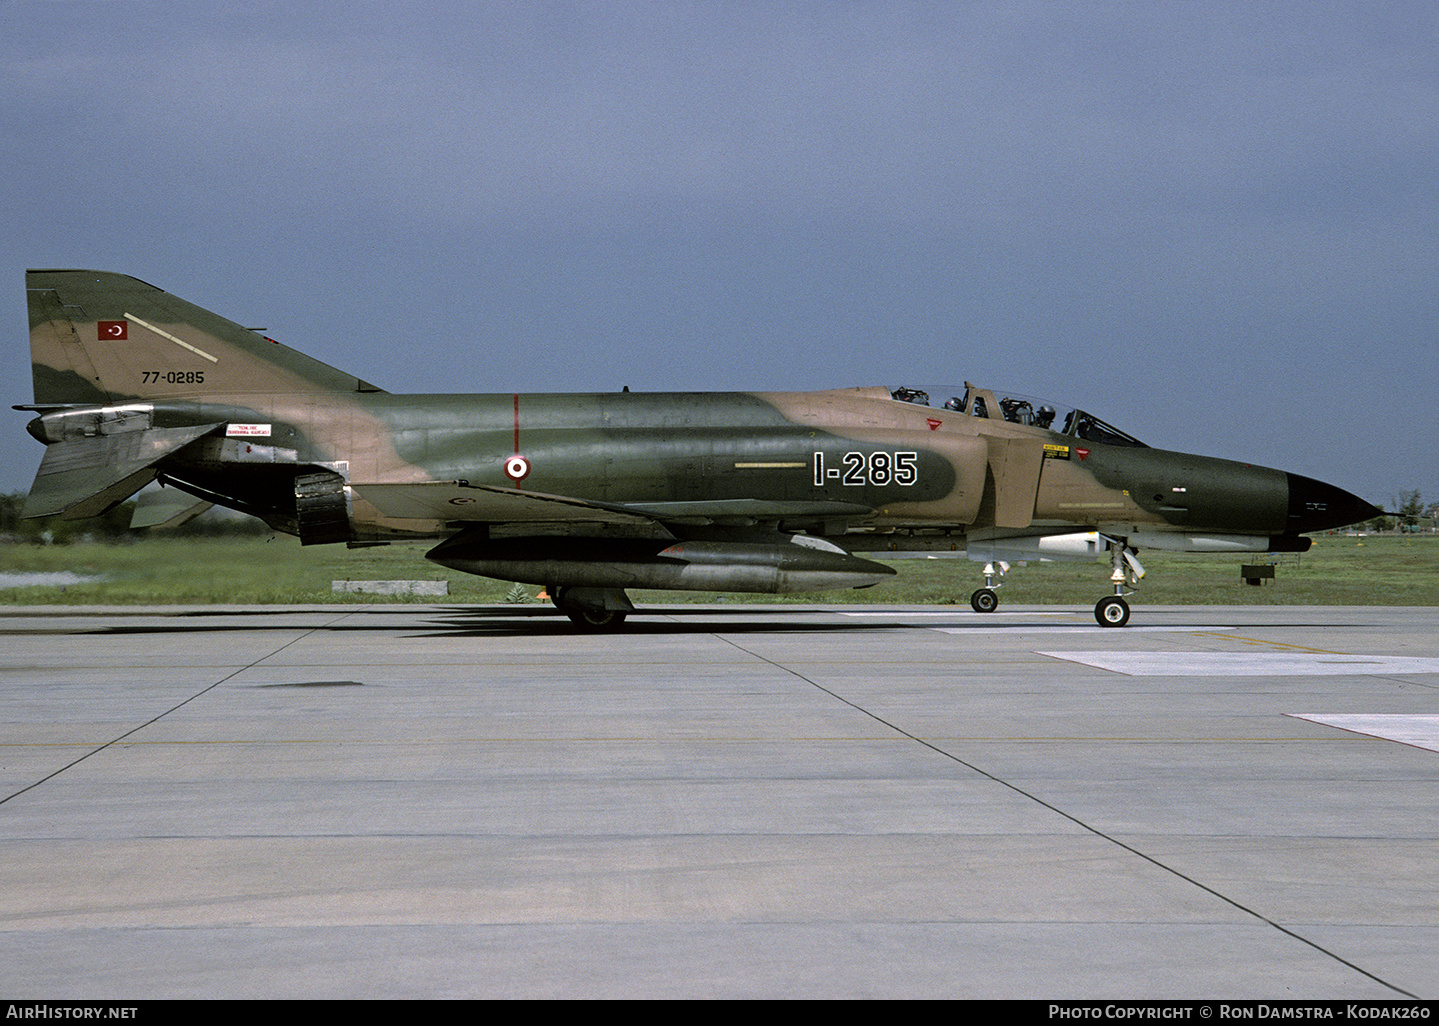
(592, 493)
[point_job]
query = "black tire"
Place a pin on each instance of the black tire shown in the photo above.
(590, 619)
(1111, 611)
(984, 600)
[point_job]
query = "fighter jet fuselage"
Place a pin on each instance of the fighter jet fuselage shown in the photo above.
(589, 494)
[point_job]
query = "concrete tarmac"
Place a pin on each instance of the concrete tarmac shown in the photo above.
(719, 801)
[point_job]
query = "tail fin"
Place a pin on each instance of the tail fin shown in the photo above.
(98, 338)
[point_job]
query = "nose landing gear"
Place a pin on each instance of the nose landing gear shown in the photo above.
(984, 600)
(1112, 610)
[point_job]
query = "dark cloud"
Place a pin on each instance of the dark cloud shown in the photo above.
(1215, 226)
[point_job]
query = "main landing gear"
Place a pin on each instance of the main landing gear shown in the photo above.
(592, 609)
(1110, 611)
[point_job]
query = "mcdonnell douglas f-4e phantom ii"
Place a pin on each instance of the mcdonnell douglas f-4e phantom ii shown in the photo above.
(588, 495)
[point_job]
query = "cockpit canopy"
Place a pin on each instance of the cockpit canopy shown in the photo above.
(982, 402)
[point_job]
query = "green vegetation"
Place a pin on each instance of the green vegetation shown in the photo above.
(270, 569)
(1393, 570)
(165, 569)
(114, 526)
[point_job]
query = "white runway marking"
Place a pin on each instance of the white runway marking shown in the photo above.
(950, 613)
(1419, 731)
(1093, 628)
(989, 627)
(1247, 664)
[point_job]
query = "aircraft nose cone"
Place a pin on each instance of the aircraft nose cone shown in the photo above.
(1316, 506)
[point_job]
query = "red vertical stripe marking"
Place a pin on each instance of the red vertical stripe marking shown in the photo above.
(518, 481)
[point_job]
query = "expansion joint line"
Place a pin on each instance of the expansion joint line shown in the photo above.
(1078, 822)
(167, 712)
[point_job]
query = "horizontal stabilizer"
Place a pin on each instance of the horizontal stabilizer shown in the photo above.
(84, 477)
(166, 507)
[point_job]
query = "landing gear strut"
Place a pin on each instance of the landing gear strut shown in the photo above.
(984, 600)
(1112, 610)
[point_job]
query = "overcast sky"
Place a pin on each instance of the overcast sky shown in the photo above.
(1214, 225)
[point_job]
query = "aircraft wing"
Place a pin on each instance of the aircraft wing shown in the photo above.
(459, 500)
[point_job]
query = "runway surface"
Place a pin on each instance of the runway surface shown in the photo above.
(721, 801)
